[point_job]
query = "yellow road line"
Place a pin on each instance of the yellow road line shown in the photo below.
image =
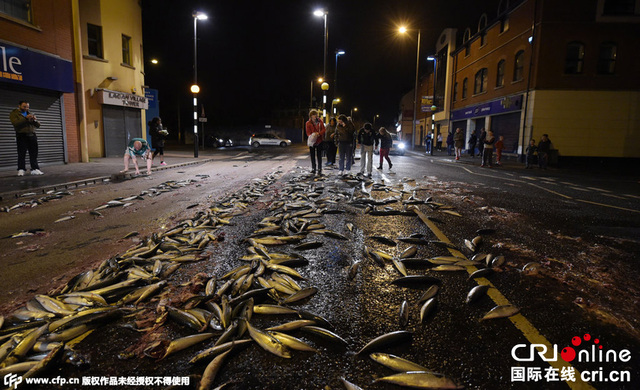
(555, 192)
(607, 205)
(528, 330)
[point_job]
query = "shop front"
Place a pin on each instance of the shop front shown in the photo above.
(41, 79)
(502, 116)
(121, 118)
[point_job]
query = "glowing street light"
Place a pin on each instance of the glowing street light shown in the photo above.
(333, 104)
(321, 13)
(197, 15)
(335, 80)
(403, 30)
(354, 109)
(154, 61)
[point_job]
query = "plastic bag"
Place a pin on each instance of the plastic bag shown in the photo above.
(312, 139)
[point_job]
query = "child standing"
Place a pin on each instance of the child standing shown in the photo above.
(531, 151)
(499, 146)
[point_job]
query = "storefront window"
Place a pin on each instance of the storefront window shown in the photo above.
(19, 9)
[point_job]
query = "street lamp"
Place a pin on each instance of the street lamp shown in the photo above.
(334, 103)
(403, 30)
(325, 88)
(197, 15)
(354, 109)
(374, 120)
(320, 80)
(323, 14)
(335, 80)
(434, 106)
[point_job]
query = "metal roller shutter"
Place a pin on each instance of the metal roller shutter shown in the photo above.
(121, 124)
(47, 106)
(507, 125)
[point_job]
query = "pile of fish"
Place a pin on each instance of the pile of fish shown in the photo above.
(49, 195)
(267, 282)
(38, 335)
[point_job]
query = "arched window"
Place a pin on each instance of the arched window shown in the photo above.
(500, 74)
(482, 23)
(455, 91)
(465, 40)
(481, 81)
(574, 61)
(503, 6)
(607, 58)
(465, 84)
(518, 68)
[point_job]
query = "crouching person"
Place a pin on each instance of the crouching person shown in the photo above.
(137, 147)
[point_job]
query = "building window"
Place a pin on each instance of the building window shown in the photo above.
(126, 50)
(465, 83)
(607, 58)
(518, 69)
(619, 7)
(500, 74)
(94, 39)
(575, 58)
(483, 39)
(19, 9)
(465, 40)
(504, 24)
(481, 81)
(455, 91)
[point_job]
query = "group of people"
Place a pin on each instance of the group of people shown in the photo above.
(486, 144)
(340, 137)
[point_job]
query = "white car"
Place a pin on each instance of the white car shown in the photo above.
(268, 139)
(399, 147)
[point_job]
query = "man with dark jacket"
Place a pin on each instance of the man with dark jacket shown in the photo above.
(345, 133)
(544, 146)
(483, 136)
(367, 141)
(25, 125)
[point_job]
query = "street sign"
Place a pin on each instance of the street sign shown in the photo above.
(202, 119)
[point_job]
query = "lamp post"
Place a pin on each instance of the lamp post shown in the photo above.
(320, 80)
(403, 30)
(434, 106)
(333, 104)
(197, 15)
(322, 13)
(335, 80)
(354, 109)
(374, 120)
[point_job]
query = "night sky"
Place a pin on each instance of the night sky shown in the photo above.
(257, 56)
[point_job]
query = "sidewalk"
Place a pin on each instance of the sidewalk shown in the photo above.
(68, 176)
(508, 160)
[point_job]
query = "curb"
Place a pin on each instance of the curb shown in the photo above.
(94, 180)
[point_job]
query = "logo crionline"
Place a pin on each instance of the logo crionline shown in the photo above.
(569, 354)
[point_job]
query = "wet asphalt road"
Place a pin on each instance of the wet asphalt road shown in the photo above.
(582, 230)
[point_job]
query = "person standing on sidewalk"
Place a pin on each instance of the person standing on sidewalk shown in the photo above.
(330, 147)
(499, 146)
(428, 141)
(158, 135)
(531, 151)
(458, 140)
(439, 142)
(483, 135)
(473, 140)
(315, 132)
(386, 143)
(345, 134)
(487, 153)
(544, 146)
(450, 143)
(25, 125)
(367, 141)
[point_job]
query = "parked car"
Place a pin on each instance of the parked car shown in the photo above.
(266, 139)
(399, 147)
